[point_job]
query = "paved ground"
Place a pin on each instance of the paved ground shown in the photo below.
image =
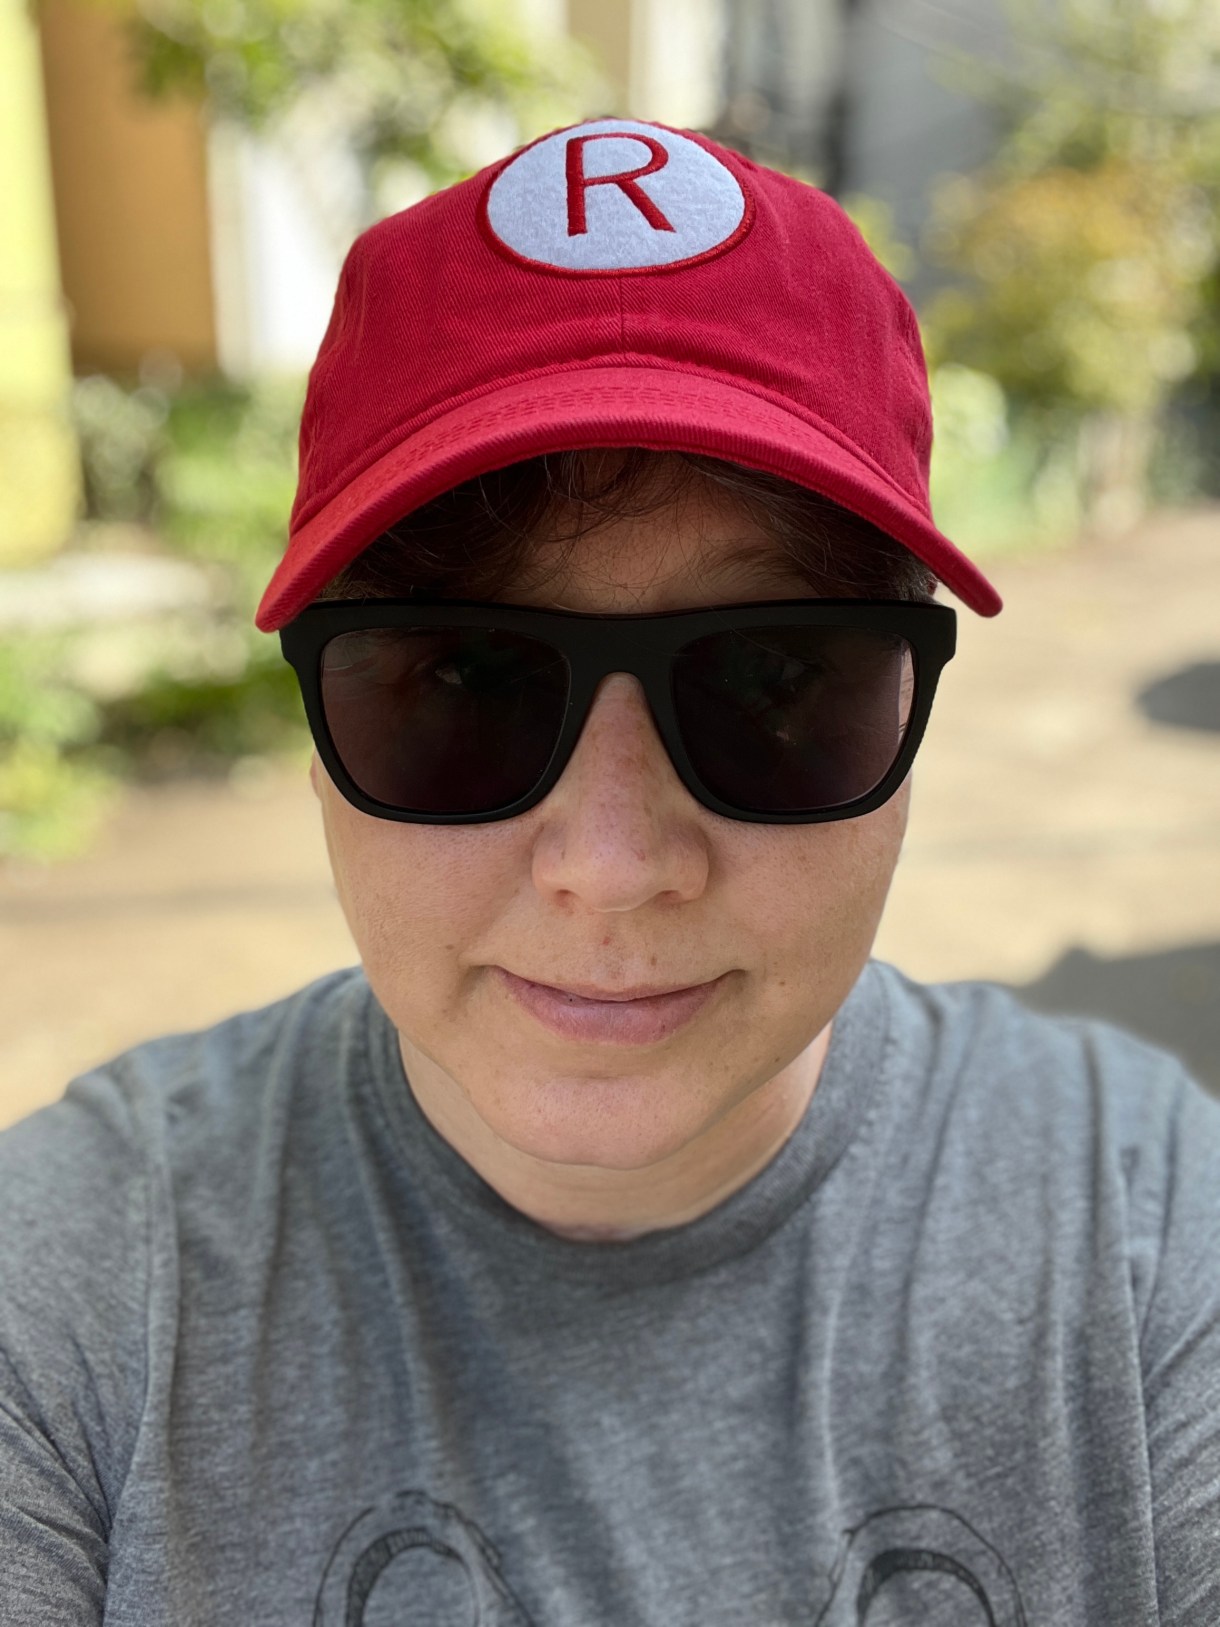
(1064, 838)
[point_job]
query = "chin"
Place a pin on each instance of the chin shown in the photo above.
(627, 1122)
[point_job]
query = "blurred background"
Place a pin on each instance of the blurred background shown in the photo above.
(182, 179)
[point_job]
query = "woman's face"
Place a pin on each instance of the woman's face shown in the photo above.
(618, 880)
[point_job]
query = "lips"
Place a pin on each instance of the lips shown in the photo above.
(624, 1017)
(586, 991)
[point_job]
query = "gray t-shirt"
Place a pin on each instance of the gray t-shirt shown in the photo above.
(271, 1352)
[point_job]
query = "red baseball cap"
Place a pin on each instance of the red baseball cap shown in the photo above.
(615, 283)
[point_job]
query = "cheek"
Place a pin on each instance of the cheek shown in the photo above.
(416, 896)
(817, 893)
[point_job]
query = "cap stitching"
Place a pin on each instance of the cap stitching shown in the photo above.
(635, 394)
(493, 239)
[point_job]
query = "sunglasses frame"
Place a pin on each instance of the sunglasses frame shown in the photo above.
(595, 646)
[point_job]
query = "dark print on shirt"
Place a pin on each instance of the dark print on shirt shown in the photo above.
(919, 1563)
(412, 1559)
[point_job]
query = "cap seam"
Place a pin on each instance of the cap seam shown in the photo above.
(624, 359)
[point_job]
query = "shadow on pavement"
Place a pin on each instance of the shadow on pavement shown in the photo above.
(1171, 999)
(1187, 699)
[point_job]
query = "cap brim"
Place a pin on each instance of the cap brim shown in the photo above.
(664, 409)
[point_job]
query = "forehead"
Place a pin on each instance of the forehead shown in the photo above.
(700, 547)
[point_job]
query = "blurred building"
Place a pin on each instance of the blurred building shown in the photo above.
(860, 96)
(130, 189)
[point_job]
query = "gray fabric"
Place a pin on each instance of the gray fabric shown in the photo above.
(272, 1353)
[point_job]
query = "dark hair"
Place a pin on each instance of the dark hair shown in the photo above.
(472, 541)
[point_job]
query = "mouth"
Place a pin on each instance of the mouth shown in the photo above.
(587, 991)
(642, 1015)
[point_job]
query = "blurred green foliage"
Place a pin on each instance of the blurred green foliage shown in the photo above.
(1084, 284)
(53, 789)
(224, 477)
(874, 220)
(1083, 258)
(119, 432)
(207, 472)
(435, 87)
(1001, 482)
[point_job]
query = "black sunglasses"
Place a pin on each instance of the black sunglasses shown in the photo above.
(785, 713)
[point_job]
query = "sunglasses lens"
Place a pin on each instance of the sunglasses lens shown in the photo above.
(794, 719)
(443, 720)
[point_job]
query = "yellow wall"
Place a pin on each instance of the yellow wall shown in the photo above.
(39, 474)
(130, 199)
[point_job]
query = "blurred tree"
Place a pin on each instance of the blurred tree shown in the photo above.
(874, 220)
(435, 87)
(1083, 255)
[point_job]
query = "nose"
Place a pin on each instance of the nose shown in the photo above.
(619, 828)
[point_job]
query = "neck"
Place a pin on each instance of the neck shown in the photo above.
(588, 1203)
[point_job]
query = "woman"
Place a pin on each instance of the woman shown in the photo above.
(618, 1242)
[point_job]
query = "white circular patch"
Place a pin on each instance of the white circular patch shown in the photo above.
(615, 195)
